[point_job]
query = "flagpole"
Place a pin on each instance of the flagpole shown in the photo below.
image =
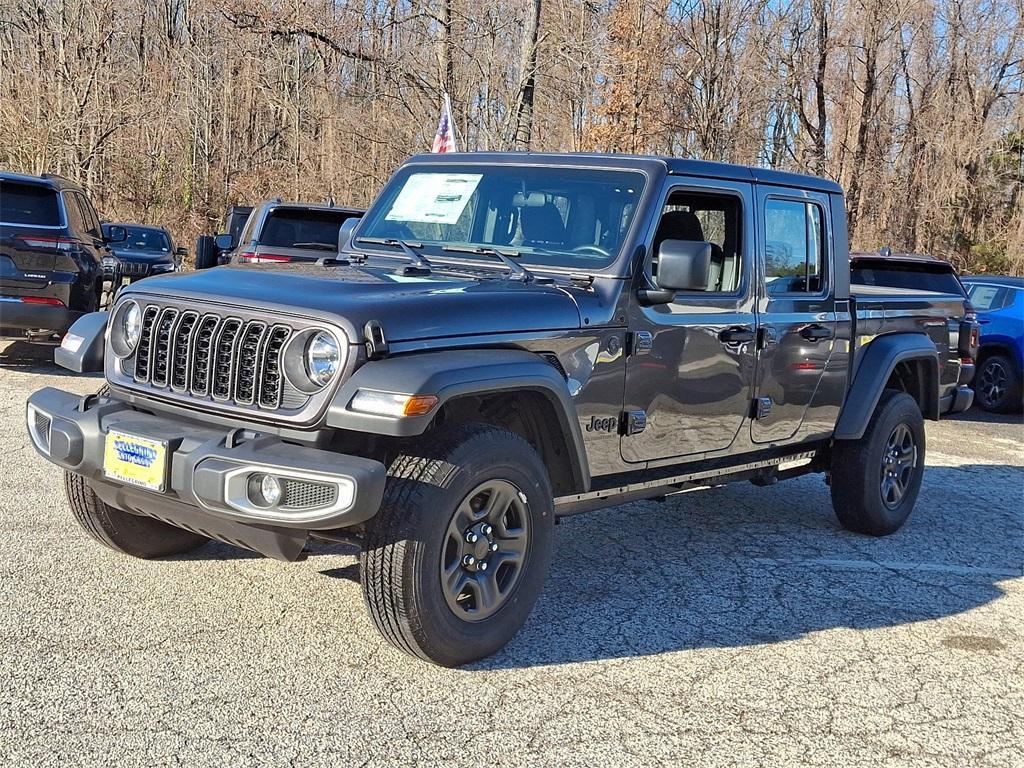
(451, 118)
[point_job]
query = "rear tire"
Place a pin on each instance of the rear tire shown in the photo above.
(876, 479)
(456, 557)
(997, 385)
(129, 534)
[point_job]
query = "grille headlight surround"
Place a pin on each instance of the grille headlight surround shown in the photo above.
(126, 328)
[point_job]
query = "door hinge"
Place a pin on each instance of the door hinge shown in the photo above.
(767, 336)
(634, 422)
(761, 407)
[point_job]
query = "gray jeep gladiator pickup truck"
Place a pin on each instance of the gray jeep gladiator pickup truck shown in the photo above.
(502, 340)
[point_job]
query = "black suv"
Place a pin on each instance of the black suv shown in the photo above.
(281, 232)
(146, 250)
(51, 250)
(505, 339)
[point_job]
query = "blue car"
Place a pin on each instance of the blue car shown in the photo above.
(999, 302)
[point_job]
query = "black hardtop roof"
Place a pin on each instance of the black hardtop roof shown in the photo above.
(1013, 282)
(900, 258)
(50, 180)
(674, 165)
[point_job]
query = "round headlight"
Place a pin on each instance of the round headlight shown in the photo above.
(323, 358)
(126, 328)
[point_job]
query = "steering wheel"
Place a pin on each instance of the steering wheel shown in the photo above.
(595, 249)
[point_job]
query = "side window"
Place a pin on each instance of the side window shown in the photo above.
(76, 223)
(705, 217)
(794, 240)
(92, 221)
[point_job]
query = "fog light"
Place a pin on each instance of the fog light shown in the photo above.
(264, 490)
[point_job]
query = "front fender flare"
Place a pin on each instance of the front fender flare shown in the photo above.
(455, 373)
(87, 356)
(879, 359)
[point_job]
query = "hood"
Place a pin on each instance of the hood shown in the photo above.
(408, 307)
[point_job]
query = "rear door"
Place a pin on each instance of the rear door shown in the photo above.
(691, 367)
(796, 373)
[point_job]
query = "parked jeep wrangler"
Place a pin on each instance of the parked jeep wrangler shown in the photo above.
(208, 254)
(507, 339)
(280, 232)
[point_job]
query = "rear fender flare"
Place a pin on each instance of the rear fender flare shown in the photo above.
(878, 361)
(456, 373)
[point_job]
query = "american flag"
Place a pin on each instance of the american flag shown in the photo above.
(444, 139)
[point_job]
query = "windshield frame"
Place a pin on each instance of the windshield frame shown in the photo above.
(651, 171)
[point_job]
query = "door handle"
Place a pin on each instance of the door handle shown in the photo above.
(738, 334)
(816, 332)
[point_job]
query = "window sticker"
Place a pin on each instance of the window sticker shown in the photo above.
(434, 198)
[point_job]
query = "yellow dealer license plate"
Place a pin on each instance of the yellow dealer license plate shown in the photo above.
(135, 460)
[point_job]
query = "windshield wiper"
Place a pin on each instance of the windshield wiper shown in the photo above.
(515, 268)
(314, 245)
(419, 261)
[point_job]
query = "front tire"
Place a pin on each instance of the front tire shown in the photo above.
(128, 534)
(876, 479)
(998, 385)
(456, 557)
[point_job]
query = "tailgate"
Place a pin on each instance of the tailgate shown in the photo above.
(28, 259)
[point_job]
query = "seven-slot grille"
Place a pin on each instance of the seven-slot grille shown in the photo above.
(207, 355)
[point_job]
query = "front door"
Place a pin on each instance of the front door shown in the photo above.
(691, 367)
(796, 369)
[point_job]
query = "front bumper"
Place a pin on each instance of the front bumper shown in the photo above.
(208, 471)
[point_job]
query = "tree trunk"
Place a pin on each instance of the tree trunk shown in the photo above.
(522, 129)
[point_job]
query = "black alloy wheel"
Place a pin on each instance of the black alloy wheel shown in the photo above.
(898, 463)
(485, 547)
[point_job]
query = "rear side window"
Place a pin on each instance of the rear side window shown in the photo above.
(296, 228)
(794, 247)
(31, 204)
(937, 277)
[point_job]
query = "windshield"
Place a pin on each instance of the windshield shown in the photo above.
(141, 239)
(303, 228)
(561, 217)
(987, 297)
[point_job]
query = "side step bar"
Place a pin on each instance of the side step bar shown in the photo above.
(607, 497)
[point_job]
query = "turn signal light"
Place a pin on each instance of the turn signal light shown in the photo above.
(391, 404)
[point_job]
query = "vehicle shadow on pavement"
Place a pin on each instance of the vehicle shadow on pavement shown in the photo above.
(985, 417)
(741, 565)
(34, 358)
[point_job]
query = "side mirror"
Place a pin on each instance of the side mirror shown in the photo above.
(181, 251)
(683, 265)
(348, 226)
(224, 242)
(116, 234)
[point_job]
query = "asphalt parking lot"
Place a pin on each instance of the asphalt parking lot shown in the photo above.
(738, 626)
